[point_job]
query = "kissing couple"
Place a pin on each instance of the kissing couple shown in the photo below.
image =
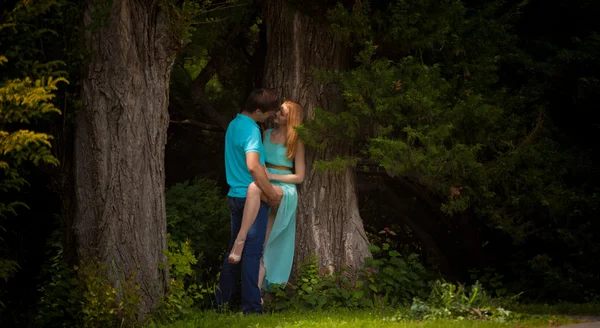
(262, 172)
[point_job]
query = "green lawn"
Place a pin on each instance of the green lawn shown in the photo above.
(591, 309)
(345, 319)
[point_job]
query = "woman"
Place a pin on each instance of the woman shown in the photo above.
(284, 157)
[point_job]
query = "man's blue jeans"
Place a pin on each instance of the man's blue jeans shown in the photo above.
(249, 266)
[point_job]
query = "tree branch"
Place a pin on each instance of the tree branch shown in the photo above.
(536, 130)
(216, 62)
(203, 126)
(201, 103)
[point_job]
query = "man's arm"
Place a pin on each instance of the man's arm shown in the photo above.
(260, 177)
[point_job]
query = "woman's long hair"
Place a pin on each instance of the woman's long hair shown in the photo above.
(295, 116)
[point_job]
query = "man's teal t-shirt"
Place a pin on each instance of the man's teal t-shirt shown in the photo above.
(242, 137)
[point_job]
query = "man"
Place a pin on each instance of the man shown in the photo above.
(244, 161)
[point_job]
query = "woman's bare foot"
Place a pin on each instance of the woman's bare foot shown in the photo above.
(235, 256)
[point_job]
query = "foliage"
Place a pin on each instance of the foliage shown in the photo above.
(319, 290)
(57, 306)
(185, 16)
(386, 280)
(489, 279)
(215, 28)
(82, 297)
(392, 279)
(428, 101)
(23, 100)
(448, 300)
(102, 304)
(336, 166)
(183, 293)
(7, 268)
(198, 212)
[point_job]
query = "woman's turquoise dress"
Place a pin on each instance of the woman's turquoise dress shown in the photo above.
(279, 250)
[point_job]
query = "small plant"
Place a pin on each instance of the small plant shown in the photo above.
(198, 212)
(392, 279)
(448, 300)
(387, 279)
(184, 292)
(318, 290)
(102, 304)
(311, 287)
(350, 294)
(280, 297)
(58, 304)
(490, 280)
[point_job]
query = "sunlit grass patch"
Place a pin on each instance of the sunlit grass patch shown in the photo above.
(342, 318)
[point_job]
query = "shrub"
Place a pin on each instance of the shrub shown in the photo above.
(388, 280)
(184, 292)
(392, 279)
(81, 296)
(102, 304)
(448, 300)
(57, 306)
(198, 213)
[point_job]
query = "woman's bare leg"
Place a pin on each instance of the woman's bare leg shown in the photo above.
(262, 272)
(251, 207)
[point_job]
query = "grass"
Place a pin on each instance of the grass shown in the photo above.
(590, 309)
(342, 318)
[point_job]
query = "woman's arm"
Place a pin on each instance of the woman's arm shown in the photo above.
(299, 168)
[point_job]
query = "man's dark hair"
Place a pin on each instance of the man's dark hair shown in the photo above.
(266, 100)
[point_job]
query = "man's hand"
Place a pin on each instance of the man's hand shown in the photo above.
(274, 201)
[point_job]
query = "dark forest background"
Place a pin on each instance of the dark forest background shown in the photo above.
(471, 129)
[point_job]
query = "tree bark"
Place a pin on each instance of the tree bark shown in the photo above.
(328, 220)
(119, 147)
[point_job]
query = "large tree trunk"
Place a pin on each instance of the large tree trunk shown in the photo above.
(119, 148)
(328, 220)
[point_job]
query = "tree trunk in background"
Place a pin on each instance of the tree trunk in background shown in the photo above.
(120, 141)
(328, 220)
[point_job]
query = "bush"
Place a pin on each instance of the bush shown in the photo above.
(393, 279)
(313, 290)
(387, 280)
(184, 293)
(448, 300)
(57, 306)
(102, 304)
(198, 213)
(83, 297)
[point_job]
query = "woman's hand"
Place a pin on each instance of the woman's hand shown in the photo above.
(268, 174)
